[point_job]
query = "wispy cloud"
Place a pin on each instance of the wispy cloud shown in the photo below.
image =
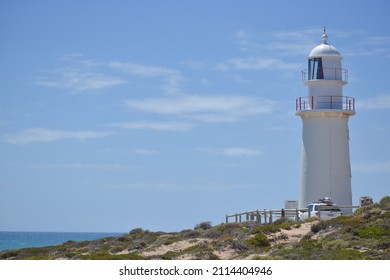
(159, 126)
(233, 151)
(214, 108)
(171, 78)
(42, 135)
(370, 46)
(207, 186)
(379, 102)
(77, 74)
(284, 43)
(371, 167)
(257, 63)
(142, 151)
(269, 51)
(80, 75)
(111, 167)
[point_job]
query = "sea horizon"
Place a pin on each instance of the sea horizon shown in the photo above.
(12, 240)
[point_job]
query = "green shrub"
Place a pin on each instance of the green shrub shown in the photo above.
(8, 254)
(368, 211)
(343, 254)
(125, 238)
(239, 245)
(318, 226)
(373, 231)
(266, 229)
(171, 255)
(203, 225)
(136, 231)
(191, 234)
(385, 203)
(212, 233)
(170, 240)
(117, 249)
(107, 256)
(227, 228)
(259, 241)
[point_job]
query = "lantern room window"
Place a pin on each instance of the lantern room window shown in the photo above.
(315, 69)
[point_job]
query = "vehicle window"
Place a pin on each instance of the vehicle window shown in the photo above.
(316, 208)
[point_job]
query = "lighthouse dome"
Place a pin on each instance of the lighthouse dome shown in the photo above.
(324, 49)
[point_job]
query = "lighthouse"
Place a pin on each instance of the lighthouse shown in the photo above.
(325, 111)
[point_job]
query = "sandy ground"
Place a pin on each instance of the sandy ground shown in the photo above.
(289, 237)
(174, 247)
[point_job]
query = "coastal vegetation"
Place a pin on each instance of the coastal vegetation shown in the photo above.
(362, 235)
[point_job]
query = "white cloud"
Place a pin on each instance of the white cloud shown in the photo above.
(261, 63)
(80, 75)
(233, 151)
(48, 135)
(285, 43)
(371, 167)
(145, 151)
(171, 78)
(83, 166)
(379, 102)
(215, 108)
(370, 46)
(207, 186)
(159, 126)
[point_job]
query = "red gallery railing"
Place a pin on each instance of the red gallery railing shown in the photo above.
(330, 102)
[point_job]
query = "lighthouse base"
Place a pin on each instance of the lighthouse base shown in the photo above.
(325, 166)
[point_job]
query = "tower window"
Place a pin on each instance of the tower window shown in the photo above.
(315, 69)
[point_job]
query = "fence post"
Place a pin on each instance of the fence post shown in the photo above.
(312, 102)
(283, 214)
(258, 216)
(296, 215)
(236, 218)
(270, 216)
(265, 216)
(227, 219)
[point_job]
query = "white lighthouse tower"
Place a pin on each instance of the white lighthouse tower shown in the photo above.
(325, 169)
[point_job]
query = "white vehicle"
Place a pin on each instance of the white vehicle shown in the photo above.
(323, 214)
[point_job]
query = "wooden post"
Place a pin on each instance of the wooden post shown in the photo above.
(270, 216)
(236, 218)
(227, 219)
(296, 215)
(258, 216)
(283, 214)
(265, 216)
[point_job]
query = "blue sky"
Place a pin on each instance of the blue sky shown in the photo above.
(164, 114)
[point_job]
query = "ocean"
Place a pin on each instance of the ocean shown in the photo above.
(24, 239)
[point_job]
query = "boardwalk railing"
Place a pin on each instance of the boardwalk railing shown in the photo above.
(269, 216)
(265, 216)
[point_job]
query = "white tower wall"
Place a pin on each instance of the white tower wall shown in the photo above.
(325, 169)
